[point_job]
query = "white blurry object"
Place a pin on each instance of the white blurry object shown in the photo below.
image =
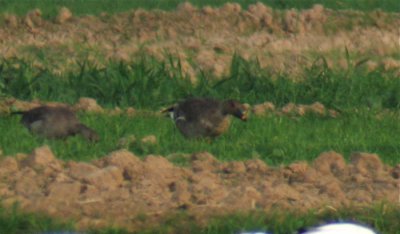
(340, 228)
(254, 233)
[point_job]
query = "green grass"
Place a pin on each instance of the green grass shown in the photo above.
(274, 139)
(283, 222)
(383, 217)
(13, 221)
(147, 83)
(82, 7)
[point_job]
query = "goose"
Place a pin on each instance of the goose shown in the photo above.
(205, 117)
(55, 122)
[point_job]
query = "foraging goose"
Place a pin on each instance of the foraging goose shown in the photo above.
(55, 122)
(203, 117)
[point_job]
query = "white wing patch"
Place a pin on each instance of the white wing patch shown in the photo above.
(207, 124)
(35, 126)
(180, 118)
(177, 116)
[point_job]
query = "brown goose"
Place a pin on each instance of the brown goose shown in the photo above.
(55, 122)
(203, 117)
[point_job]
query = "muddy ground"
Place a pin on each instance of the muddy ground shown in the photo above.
(123, 190)
(126, 191)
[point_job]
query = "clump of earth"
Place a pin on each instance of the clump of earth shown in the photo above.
(85, 104)
(121, 188)
(204, 40)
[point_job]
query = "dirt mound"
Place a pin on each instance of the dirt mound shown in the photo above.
(90, 105)
(121, 188)
(205, 39)
(84, 104)
(292, 109)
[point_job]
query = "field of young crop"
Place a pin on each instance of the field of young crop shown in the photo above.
(81, 7)
(321, 80)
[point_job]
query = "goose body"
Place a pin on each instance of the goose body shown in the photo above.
(55, 122)
(203, 117)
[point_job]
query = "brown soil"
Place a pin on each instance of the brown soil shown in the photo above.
(90, 105)
(121, 189)
(205, 39)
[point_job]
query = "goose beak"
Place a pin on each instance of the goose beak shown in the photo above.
(167, 111)
(243, 116)
(245, 112)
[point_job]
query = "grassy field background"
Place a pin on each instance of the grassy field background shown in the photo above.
(275, 139)
(381, 216)
(368, 103)
(359, 96)
(149, 84)
(50, 8)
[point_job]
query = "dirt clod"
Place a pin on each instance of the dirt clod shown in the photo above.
(126, 141)
(11, 20)
(64, 191)
(396, 172)
(367, 164)
(263, 108)
(106, 178)
(88, 104)
(330, 163)
(79, 170)
(64, 14)
(150, 139)
(34, 18)
(43, 159)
